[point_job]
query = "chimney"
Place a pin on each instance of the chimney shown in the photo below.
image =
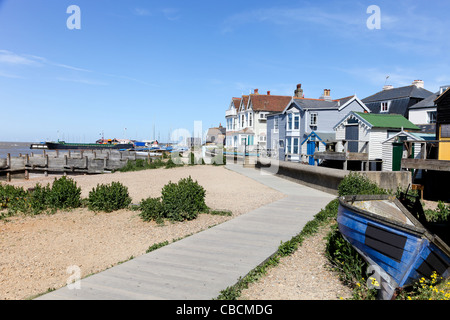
(268, 93)
(418, 83)
(388, 87)
(326, 94)
(299, 91)
(256, 91)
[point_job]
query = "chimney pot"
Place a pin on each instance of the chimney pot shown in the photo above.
(268, 93)
(418, 83)
(299, 91)
(256, 91)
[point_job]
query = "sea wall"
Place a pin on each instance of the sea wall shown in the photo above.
(328, 179)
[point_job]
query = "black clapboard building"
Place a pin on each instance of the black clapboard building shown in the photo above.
(397, 100)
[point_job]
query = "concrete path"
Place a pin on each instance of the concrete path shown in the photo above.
(200, 266)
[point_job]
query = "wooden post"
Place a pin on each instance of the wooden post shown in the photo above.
(27, 174)
(46, 165)
(8, 165)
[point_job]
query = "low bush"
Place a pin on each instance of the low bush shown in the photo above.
(440, 215)
(64, 194)
(355, 183)
(179, 201)
(183, 200)
(38, 199)
(109, 197)
(152, 210)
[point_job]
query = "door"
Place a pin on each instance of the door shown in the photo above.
(397, 154)
(352, 133)
(310, 149)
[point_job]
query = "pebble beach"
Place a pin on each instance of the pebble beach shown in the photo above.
(37, 251)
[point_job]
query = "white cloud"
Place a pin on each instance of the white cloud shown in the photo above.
(141, 12)
(11, 58)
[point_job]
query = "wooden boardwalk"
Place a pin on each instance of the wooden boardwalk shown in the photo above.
(202, 265)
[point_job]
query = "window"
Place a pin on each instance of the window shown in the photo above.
(313, 119)
(275, 124)
(445, 131)
(296, 122)
(289, 122)
(242, 121)
(250, 119)
(262, 138)
(295, 145)
(288, 145)
(384, 106)
(432, 116)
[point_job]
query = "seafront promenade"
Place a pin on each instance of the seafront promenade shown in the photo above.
(200, 266)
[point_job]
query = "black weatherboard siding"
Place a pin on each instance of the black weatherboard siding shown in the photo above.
(385, 242)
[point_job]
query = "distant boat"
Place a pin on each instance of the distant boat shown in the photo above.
(41, 145)
(389, 237)
(61, 145)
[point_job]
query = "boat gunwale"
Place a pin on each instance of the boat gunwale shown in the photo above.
(417, 229)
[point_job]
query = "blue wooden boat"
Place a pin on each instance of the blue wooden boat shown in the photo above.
(397, 246)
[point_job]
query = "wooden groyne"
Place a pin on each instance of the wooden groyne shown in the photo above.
(67, 162)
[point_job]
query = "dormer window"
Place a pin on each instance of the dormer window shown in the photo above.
(385, 106)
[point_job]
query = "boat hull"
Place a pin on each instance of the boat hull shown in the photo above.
(401, 252)
(87, 146)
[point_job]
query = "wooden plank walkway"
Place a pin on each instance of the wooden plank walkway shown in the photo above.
(202, 265)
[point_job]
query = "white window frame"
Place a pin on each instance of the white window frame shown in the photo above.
(384, 106)
(289, 121)
(296, 116)
(276, 124)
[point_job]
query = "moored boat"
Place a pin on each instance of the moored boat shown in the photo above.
(392, 240)
(61, 145)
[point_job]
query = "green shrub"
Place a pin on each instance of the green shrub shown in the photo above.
(13, 199)
(109, 197)
(152, 209)
(179, 201)
(38, 199)
(440, 215)
(183, 200)
(64, 194)
(355, 183)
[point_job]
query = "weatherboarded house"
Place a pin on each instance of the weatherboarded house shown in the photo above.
(365, 132)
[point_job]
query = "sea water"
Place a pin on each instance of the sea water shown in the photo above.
(17, 148)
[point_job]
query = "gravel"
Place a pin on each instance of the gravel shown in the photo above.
(36, 252)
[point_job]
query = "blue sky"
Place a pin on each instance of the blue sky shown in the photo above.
(156, 66)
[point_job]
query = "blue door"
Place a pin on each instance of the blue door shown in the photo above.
(310, 149)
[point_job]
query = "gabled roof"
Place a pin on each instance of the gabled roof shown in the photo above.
(411, 136)
(411, 91)
(375, 120)
(270, 103)
(236, 102)
(338, 104)
(387, 121)
(428, 102)
(244, 103)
